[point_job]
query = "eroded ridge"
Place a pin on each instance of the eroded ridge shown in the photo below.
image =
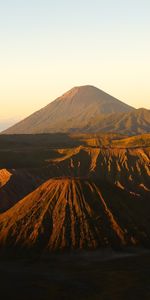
(71, 214)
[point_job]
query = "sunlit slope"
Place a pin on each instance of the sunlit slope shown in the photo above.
(124, 162)
(128, 168)
(138, 141)
(5, 176)
(112, 140)
(74, 214)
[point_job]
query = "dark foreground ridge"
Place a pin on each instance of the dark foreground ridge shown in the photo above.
(93, 275)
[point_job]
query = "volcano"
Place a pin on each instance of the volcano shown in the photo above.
(81, 109)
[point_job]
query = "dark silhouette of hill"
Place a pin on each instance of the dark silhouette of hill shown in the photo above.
(16, 184)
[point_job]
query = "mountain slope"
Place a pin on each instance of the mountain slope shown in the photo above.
(127, 168)
(122, 162)
(74, 214)
(74, 111)
(5, 176)
(130, 123)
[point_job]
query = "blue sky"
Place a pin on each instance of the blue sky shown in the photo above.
(47, 47)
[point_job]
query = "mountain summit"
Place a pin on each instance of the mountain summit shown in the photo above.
(77, 110)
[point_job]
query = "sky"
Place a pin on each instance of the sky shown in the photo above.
(47, 47)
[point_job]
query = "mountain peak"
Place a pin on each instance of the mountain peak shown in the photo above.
(84, 87)
(76, 110)
(92, 96)
(80, 89)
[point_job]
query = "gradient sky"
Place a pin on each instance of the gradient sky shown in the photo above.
(47, 47)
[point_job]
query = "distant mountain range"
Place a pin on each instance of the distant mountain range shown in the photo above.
(85, 109)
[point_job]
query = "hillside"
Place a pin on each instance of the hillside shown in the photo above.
(76, 110)
(137, 141)
(112, 140)
(128, 169)
(74, 191)
(122, 161)
(131, 123)
(74, 214)
(5, 176)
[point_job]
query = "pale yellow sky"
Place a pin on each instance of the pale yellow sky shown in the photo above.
(25, 93)
(48, 47)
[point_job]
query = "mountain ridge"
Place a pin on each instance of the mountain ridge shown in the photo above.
(119, 160)
(72, 214)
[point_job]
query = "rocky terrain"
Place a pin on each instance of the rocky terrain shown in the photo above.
(74, 214)
(92, 194)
